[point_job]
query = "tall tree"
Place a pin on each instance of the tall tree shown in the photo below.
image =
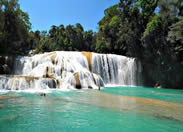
(14, 26)
(108, 28)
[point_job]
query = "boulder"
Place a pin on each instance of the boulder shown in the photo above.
(6, 69)
(2, 60)
(6, 64)
(42, 94)
(158, 85)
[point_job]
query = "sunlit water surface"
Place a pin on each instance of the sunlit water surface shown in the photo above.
(114, 109)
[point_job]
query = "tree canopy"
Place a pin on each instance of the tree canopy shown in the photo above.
(14, 27)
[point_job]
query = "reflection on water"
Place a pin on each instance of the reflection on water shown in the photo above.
(1, 106)
(89, 110)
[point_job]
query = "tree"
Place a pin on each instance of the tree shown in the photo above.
(14, 27)
(106, 41)
(175, 38)
(53, 31)
(131, 28)
(89, 41)
(79, 45)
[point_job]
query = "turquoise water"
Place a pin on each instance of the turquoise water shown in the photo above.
(112, 109)
(161, 94)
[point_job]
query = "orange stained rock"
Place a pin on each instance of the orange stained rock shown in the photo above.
(49, 73)
(3, 97)
(88, 55)
(58, 84)
(28, 79)
(149, 101)
(48, 54)
(78, 84)
(53, 58)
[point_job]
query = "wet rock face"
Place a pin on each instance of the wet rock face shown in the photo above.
(6, 64)
(88, 55)
(6, 69)
(78, 83)
(42, 94)
(2, 60)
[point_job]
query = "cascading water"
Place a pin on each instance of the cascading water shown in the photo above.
(68, 70)
(115, 69)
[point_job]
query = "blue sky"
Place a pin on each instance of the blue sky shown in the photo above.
(45, 13)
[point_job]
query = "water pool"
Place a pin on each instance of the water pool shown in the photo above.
(116, 109)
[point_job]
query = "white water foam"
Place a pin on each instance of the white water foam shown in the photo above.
(62, 70)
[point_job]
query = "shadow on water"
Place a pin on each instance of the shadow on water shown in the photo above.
(12, 117)
(1, 106)
(161, 117)
(4, 98)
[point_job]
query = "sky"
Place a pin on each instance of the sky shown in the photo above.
(45, 13)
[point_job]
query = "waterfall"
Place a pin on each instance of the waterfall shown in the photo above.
(115, 69)
(69, 70)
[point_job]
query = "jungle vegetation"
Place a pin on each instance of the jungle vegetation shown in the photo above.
(151, 31)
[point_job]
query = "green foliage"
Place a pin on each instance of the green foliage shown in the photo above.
(150, 31)
(176, 32)
(147, 8)
(14, 27)
(71, 37)
(153, 25)
(106, 40)
(175, 38)
(173, 8)
(163, 55)
(156, 51)
(123, 25)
